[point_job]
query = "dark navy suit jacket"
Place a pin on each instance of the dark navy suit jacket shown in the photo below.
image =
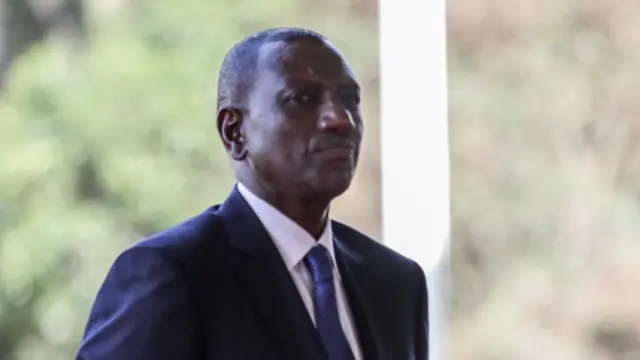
(216, 288)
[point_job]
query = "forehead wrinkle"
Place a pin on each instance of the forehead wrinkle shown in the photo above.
(344, 83)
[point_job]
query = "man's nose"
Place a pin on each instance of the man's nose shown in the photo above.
(335, 118)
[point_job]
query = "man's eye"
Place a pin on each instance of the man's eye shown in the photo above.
(302, 98)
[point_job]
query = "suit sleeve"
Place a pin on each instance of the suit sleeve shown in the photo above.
(422, 326)
(141, 311)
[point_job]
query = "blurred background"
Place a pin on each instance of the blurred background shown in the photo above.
(107, 135)
(545, 131)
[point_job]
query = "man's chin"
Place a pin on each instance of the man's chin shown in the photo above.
(333, 186)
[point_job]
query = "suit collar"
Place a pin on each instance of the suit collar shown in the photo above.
(267, 282)
(274, 296)
(293, 242)
(356, 280)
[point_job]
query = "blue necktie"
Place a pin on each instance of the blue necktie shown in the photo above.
(325, 305)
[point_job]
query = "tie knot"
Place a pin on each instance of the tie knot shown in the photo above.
(319, 264)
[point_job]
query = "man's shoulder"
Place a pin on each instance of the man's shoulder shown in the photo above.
(372, 250)
(186, 239)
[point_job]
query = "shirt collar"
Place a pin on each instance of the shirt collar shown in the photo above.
(292, 241)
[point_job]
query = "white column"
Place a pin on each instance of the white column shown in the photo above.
(415, 148)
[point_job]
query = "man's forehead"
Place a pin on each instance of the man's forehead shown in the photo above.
(304, 58)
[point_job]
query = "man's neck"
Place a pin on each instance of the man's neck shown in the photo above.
(311, 215)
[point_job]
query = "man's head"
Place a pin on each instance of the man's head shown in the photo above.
(288, 113)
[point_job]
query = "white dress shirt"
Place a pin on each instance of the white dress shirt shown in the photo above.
(293, 243)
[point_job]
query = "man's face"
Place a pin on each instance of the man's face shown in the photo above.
(303, 126)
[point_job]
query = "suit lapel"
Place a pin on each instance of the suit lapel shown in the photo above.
(266, 279)
(355, 282)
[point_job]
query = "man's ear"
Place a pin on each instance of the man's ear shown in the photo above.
(231, 133)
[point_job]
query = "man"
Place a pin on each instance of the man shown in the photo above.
(267, 274)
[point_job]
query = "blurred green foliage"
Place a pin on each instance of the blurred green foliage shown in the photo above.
(107, 140)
